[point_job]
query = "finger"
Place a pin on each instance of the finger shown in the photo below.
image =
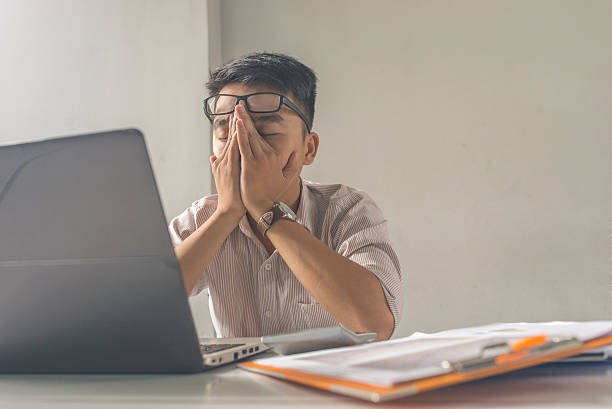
(225, 148)
(234, 154)
(243, 141)
(213, 158)
(291, 168)
(235, 126)
(255, 139)
(231, 142)
(230, 124)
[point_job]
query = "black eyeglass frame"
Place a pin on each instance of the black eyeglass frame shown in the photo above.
(283, 100)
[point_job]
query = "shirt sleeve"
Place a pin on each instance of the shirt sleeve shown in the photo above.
(182, 226)
(361, 234)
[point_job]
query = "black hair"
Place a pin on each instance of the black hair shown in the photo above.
(279, 71)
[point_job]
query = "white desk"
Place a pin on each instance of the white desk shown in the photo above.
(583, 386)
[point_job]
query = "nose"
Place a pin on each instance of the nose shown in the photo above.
(242, 103)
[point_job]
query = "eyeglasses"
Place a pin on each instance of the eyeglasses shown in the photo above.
(257, 103)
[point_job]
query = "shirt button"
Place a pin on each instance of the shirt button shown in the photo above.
(268, 313)
(268, 267)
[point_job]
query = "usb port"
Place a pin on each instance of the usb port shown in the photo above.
(235, 355)
(243, 351)
(250, 350)
(256, 348)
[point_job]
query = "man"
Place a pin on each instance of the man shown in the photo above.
(279, 253)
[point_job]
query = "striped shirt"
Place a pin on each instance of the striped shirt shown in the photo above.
(253, 294)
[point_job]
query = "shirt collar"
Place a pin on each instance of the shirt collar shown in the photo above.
(304, 207)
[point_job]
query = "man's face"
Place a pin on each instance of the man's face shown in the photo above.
(282, 130)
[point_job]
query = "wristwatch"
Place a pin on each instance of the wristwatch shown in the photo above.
(278, 211)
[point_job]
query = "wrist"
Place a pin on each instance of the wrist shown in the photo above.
(259, 209)
(228, 216)
(276, 212)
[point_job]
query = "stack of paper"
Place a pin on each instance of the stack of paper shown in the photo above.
(388, 369)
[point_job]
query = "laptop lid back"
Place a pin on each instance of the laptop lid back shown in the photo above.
(88, 279)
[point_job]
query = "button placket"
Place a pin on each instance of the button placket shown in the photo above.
(268, 293)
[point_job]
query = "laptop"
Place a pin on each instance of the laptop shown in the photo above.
(89, 282)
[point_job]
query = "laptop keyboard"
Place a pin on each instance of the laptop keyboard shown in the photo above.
(208, 348)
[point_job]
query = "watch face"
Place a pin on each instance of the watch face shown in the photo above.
(286, 209)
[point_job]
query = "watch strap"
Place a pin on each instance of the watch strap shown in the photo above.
(272, 215)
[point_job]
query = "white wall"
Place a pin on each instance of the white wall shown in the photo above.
(482, 129)
(70, 67)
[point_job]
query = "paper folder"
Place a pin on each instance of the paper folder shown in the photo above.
(493, 360)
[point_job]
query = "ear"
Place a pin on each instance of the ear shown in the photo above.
(312, 147)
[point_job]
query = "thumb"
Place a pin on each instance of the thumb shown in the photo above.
(291, 167)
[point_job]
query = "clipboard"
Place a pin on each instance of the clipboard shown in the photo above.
(493, 360)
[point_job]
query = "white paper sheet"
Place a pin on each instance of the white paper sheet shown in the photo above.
(420, 355)
(580, 330)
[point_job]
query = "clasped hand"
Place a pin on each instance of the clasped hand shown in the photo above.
(249, 173)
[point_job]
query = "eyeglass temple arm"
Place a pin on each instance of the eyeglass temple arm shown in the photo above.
(297, 111)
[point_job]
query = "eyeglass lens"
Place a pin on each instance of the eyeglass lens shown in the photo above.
(224, 104)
